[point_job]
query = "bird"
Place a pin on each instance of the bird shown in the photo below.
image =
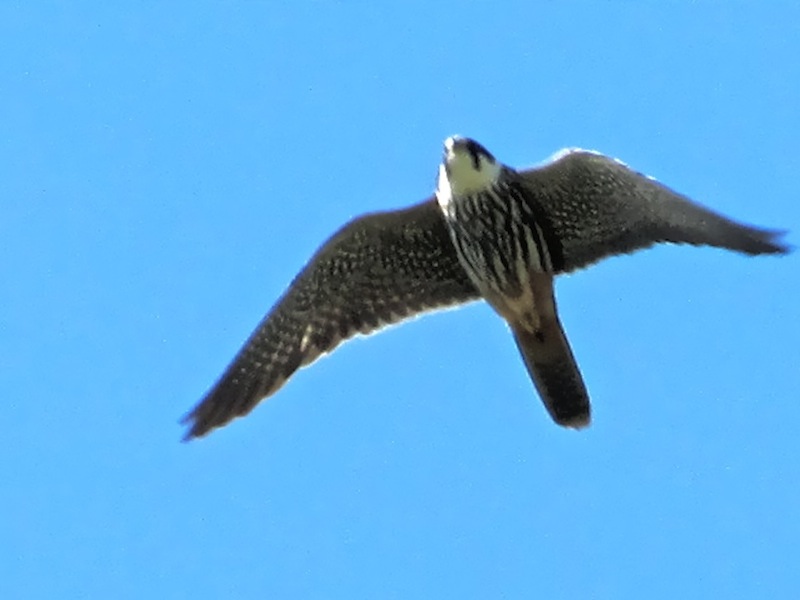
(491, 233)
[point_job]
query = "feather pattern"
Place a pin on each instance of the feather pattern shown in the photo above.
(377, 270)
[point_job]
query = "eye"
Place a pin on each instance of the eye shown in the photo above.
(476, 151)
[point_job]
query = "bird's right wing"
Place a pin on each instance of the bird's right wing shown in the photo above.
(595, 207)
(377, 270)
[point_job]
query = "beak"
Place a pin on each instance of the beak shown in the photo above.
(449, 147)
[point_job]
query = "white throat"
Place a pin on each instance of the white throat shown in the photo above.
(460, 176)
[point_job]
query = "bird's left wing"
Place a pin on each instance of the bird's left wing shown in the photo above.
(377, 270)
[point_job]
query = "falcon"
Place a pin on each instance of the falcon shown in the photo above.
(490, 233)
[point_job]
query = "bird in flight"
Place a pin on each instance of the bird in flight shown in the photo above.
(490, 233)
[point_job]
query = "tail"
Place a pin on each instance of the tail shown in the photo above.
(555, 374)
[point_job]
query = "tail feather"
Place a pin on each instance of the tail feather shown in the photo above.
(554, 372)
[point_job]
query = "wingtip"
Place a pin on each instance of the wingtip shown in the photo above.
(767, 241)
(191, 433)
(777, 242)
(197, 427)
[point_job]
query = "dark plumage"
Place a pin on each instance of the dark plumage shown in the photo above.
(598, 207)
(385, 267)
(378, 269)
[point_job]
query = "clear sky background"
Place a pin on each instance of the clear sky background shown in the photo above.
(168, 168)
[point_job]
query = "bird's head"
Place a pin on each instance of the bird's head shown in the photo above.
(467, 167)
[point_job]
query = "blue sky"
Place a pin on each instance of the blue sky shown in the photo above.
(168, 168)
